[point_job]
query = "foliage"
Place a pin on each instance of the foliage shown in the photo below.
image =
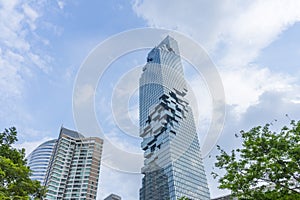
(183, 198)
(267, 166)
(14, 174)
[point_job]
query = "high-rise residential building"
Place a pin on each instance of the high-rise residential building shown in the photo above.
(38, 160)
(74, 168)
(173, 166)
(113, 197)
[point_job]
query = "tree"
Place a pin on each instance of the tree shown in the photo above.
(183, 198)
(14, 174)
(267, 166)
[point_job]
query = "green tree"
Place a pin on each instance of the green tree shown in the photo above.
(267, 166)
(183, 198)
(14, 174)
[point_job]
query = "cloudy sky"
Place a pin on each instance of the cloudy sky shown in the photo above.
(253, 44)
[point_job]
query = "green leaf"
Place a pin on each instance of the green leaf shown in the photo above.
(266, 167)
(14, 174)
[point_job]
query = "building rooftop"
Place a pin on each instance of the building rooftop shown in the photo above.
(70, 133)
(113, 197)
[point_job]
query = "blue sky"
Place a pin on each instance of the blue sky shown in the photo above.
(254, 44)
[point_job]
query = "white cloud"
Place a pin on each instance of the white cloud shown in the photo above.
(201, 103)
(133, 113)
(256, 27)
(11, 27)
(235, 33)
(10, 80)
(244, 86)
(197, 22)
(31, 14)
(29, 146)
(241, 27)
(41, 63)
(124, 110)
(61, 4)
(84, 95)
(19, 53)
(122, 141)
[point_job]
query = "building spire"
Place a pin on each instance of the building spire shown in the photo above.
(170, 44)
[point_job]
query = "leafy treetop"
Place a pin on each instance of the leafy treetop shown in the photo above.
(14, 174)
(267, 166)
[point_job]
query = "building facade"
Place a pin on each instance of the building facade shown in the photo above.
(226, 197)
(173, 166)
(73, 172)
(38, 160)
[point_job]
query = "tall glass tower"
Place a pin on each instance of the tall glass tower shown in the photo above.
(38, 160)
(173, 166)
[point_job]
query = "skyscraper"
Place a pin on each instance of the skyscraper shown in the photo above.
(74, 168)
(173, 166)
(39, 159)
